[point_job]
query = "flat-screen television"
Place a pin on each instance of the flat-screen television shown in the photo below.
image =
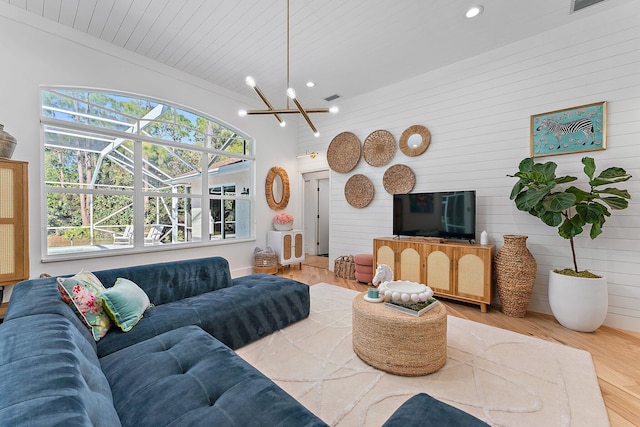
(450, 215)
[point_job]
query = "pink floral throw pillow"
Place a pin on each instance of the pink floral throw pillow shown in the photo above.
(80, 293)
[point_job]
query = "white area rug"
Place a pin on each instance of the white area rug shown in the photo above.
(501, 377)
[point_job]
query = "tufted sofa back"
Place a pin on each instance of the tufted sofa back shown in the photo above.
(173, 281)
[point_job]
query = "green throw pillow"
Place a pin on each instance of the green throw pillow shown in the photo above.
(80, 292)
(125, 303)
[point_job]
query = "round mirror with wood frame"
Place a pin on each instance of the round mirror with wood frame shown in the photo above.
(415, 140)
(277, 195)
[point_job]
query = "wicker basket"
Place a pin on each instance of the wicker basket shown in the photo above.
(379, 148)
(359, 191)
(398, 179)
(344, 152)
(265, 263)
(345, 268)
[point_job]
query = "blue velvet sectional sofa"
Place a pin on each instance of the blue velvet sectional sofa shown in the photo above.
(175, 367)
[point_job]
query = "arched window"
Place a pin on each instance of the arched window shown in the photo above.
(124, 173)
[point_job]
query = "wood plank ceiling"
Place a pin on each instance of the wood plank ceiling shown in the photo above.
(348, 47)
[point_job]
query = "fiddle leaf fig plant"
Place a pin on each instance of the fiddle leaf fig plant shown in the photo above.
(539, 192)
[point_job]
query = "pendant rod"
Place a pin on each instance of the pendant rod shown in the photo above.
(288, 54)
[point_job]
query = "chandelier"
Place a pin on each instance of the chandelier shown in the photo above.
(291, 95)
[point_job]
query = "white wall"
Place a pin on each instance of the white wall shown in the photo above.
(478, 112)
(37, 52)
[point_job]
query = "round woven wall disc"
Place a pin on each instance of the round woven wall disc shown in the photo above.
(344, 152)
(379, 148)
(399, 179)
(358, 191)
(415, 140)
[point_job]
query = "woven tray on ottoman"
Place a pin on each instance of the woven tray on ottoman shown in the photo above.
(399, 343)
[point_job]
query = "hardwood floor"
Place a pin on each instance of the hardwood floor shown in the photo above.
(615, 352)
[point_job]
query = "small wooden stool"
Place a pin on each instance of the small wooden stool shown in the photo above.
(399, 343)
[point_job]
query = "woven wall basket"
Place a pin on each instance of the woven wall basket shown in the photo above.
(359, 191)
(344, 152)
(379, 148)
(399, 179)
(515, 270)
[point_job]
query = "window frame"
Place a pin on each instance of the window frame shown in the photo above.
(138, 193)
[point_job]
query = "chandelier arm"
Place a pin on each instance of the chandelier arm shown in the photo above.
(306, 116)
(287, 111)
(267, 103)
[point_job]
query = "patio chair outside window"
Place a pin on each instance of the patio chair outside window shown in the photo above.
(126, 238)
(154, 235)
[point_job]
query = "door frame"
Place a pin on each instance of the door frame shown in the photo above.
(311, 230)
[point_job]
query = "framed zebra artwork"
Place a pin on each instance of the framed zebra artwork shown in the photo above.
(571, 130)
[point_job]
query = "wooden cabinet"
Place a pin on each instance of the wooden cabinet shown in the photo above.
(14, 222)
(289, 245)
(458, 271)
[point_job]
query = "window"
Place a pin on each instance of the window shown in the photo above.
(125, 173)
(223, 211)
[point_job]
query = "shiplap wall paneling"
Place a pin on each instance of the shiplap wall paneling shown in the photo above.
(478, 113)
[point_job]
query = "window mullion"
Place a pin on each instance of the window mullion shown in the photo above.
(205, 213)
(138, 199)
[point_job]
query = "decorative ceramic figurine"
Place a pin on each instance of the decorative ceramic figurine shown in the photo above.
(383, 274)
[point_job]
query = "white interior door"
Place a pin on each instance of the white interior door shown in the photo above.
(310, 215)
(323, 217)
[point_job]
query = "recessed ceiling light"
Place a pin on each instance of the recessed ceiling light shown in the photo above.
(310, 84)
(474, 11)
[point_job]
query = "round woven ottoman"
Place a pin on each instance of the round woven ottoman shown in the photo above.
(399, 343)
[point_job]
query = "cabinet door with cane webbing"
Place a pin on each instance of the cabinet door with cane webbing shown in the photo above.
(14, 232)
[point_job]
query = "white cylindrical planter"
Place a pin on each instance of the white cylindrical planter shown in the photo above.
(578, 303)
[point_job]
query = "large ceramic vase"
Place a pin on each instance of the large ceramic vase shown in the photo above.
(515, 270)
(578, 303)
(7, 143)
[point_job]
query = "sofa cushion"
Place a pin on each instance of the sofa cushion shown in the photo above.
(186, 377)
(364, 269)
(172, 281)
(41, 296)
(424, 411)
(50, 375)
(253, 307)
(364, 277)
(125, 303)
(80, 292)
(363, 259)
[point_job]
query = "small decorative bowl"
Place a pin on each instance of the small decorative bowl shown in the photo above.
(405, 292)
